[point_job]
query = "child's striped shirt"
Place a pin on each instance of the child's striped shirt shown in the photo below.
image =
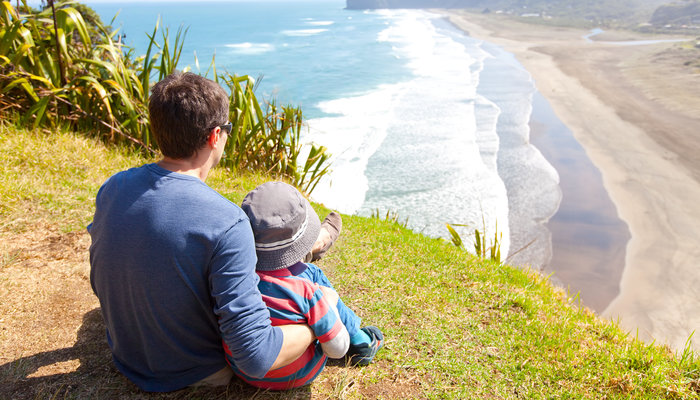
(294, 299)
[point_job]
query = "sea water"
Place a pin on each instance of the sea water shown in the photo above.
(423, 121)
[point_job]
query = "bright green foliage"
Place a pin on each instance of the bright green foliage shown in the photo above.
(54, 71)
(456, 238)
(267, 138)
(482, 249)
(390, 216)
(465, 328)
(57, 70)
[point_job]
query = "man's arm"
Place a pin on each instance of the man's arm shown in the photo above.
(253, 344)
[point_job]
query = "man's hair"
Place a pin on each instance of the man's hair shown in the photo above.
(183, 109)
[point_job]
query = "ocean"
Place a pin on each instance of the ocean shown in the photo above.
(422, 120)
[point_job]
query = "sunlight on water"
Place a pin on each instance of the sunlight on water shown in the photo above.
(422, 151)
(303, 32)
(320, 23)
(251, 48)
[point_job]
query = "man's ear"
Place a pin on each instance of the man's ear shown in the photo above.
(214, 137)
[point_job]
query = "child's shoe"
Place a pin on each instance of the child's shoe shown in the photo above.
(363, 354)
(332, 224)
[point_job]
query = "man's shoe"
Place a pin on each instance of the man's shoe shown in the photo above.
(363, 354)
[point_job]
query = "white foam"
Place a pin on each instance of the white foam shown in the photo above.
(532, 183)
(352, 137)
(303, 32)
(251, 48)
(320, 23)
(428, 156)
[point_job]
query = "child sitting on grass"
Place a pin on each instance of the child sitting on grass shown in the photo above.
(287, 233)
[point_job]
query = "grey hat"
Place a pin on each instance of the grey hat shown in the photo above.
(284, 224)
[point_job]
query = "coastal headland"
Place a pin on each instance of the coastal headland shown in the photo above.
(634, 109)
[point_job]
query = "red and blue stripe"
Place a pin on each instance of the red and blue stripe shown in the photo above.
(295, 300)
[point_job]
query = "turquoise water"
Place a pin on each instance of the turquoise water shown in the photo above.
(307, 52)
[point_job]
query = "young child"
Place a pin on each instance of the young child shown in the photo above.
(288, 232)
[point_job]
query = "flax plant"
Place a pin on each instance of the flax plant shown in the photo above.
(52, 72)
(57, 70)
(268, 137)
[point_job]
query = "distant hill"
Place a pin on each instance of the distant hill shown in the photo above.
(677, 14)
(375, 4)
(600, 12)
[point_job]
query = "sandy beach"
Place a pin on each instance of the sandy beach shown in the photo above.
(634, 109)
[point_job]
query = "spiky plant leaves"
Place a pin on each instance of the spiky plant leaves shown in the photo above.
(456, 238)
(316, 166)
(69, 19)
(63, 70)
(478, 245)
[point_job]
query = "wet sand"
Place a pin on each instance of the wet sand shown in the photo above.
(588, 236)
(634, 109)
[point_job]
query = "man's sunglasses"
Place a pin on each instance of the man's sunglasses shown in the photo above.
(227, 127)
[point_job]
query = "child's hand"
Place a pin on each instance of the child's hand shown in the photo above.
(330, 295)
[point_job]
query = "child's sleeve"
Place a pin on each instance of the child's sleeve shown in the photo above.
(324, 320)
(338, 346)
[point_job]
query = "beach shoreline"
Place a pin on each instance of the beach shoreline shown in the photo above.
(634, 111)
(588, 238)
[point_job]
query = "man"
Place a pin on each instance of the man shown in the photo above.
(174, 273)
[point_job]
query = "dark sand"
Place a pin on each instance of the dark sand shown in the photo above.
(588, 236)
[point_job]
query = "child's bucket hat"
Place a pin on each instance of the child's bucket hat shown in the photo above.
(284, 224)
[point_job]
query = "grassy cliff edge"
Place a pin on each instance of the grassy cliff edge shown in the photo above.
(456, 326)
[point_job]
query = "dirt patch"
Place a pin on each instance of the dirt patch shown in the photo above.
(45, 302)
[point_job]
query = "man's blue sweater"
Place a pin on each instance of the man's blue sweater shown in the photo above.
(173, 265)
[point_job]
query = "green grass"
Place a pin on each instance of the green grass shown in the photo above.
(456, 327)
(477, 329)
(57, 172)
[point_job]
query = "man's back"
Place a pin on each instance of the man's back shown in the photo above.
(171, 261)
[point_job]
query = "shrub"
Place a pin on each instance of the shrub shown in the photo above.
(56, 69)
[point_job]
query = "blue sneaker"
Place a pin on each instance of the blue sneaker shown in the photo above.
(363, 354)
